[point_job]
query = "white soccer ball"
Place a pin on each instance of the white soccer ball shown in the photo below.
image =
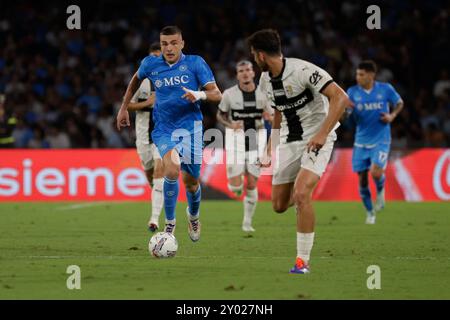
(163, 245)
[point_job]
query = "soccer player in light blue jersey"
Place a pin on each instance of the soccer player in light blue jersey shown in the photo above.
(372, 116)
(180, 82)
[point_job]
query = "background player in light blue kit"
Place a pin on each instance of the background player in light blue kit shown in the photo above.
(372, 117)
(178, 80)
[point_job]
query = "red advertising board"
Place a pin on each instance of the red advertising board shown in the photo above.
(99, 175)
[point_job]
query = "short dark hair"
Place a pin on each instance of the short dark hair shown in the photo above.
(170, 31)
(266, 40)
(368, 65)
(155, 46)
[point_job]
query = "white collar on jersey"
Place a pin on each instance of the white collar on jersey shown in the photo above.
(172, 64)
(369, 91)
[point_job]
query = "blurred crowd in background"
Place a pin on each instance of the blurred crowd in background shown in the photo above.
(63, 87)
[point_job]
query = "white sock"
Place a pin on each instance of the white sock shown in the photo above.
(305, 243)
(250, 201)
(236, 190)
(157, 199)
(371, 213)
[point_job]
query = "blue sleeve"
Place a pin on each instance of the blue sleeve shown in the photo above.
(350, 92)
(204, 73)
(350, 95)
(143, 71)
(392, 95)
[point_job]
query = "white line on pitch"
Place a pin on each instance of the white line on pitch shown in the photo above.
(81, 206)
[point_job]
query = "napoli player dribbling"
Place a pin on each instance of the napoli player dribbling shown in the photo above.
(177, 79)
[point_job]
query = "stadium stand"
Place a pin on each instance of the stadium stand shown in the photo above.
(64, 87)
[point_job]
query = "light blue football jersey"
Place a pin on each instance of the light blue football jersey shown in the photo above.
(171, 111)
(367, 110)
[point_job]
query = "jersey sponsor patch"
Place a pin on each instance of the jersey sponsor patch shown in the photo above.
(315, 78)
(246, 114)
(289, 107)
(296, 102)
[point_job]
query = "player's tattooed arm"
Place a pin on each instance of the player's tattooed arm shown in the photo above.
(136, 106)
(123, 118)
(389, 117)
(338, 102)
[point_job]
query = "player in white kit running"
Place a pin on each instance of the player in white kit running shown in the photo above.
(308, 105)
(142, 102)
(242, 111)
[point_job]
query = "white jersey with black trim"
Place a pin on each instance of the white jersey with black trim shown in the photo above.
(296, 93)
(144, 119)
(245, 107)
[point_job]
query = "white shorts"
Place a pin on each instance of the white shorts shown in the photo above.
(148, 153)
(239, 165)
(292, 156)
(240, 161)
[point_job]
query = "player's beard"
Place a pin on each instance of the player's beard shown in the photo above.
(263, 66)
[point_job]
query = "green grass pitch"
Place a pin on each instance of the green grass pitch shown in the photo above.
(108, 241)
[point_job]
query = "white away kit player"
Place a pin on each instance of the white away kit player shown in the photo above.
(242, 111)
(308, 105)
(142, 102)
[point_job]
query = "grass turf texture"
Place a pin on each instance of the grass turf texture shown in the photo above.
(38, 241)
